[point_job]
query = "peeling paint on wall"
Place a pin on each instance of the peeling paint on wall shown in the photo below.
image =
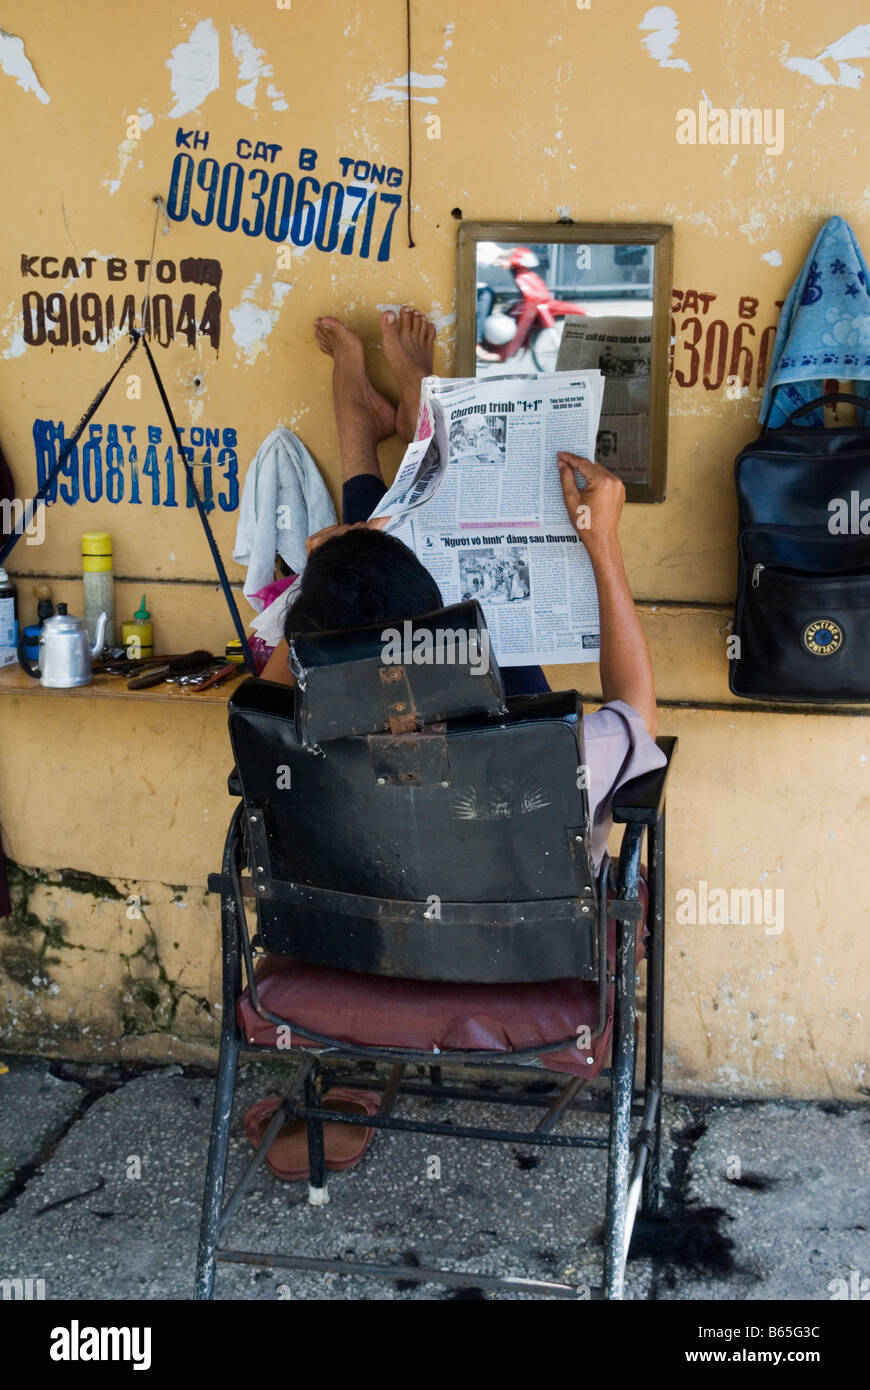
(855, 44)
(251, 70)
(13, 333)
(664, 28)
(449, 30)
(126, 150)
(396, 90)
(253, 324)
(195, 68)
(15, 63)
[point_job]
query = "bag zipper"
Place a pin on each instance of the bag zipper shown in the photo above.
(784, 580)
(813, 533)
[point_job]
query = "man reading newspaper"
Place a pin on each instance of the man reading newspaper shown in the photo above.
(358, 574)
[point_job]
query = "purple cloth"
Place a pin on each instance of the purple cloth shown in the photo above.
(617, 748)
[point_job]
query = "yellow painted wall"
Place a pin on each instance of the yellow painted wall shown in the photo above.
(560, 111)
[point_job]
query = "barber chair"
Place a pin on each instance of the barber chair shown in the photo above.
(413, 850)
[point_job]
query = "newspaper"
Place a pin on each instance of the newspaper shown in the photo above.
(478, 499)
(622, 349)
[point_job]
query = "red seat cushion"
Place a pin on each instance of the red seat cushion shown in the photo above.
(379, 1011)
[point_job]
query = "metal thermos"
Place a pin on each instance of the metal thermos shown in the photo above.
(98, 582)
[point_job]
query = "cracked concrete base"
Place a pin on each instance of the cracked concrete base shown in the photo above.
(34, 1109)
(113, 1212)
(108, 970)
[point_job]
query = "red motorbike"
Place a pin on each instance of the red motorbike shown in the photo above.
(530, 322)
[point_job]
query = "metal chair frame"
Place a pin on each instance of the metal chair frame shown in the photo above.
(634, 1158)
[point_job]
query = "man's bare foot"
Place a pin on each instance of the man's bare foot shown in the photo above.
(408, 345)
(363, 415)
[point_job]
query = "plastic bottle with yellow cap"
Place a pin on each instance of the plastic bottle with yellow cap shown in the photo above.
(98, 582)
(138, 635)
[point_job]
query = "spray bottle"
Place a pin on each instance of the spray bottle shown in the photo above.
(8, 620)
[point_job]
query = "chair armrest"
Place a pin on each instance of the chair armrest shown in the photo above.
(642, 798)
(234, 786)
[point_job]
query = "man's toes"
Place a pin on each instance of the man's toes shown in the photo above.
(406, 318)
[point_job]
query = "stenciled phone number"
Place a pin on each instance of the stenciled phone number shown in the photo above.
(107, 466)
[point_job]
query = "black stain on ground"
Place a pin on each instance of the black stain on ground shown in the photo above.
(680, 1236)
(691, 1239)
(411, 1260)
(756, 1182)
(74, 1197)
(525, 1161)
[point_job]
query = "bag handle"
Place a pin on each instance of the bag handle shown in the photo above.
(862, 402)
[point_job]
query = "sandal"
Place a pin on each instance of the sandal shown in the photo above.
(345, 1145)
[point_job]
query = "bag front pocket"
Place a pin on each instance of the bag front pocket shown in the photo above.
(803, 636)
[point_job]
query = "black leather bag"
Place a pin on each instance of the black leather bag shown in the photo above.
(803, 589)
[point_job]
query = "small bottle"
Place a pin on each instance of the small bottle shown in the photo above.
(8, 620)
(97, 579)
(138, 636)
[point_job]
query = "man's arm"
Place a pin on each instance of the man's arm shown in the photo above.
(626, 668)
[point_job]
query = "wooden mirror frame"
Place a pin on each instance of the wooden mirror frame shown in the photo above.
(658, 235)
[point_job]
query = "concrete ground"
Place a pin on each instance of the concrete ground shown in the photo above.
(101, 1174)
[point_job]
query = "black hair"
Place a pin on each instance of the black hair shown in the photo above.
(361, 577)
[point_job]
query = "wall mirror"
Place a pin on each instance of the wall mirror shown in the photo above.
(543, 297)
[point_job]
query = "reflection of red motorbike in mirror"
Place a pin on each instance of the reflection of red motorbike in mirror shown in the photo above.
(533, 321)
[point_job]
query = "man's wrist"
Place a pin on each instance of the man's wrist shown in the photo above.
(602, 546)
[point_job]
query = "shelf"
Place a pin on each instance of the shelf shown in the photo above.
(14, 681)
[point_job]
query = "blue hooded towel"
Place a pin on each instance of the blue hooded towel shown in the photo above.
(824, 327)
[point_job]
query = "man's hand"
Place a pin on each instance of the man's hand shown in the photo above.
(595, 509)
(625, 667)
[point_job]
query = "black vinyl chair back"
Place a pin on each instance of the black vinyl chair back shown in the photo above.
(405, 819)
